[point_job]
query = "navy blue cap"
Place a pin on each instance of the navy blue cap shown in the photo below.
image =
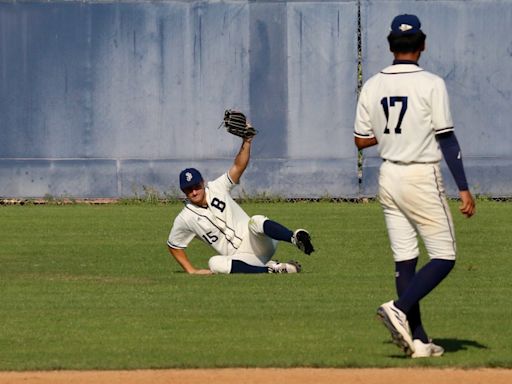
(189, 177)
(405, 25)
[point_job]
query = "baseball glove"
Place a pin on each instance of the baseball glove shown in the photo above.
(236, 124)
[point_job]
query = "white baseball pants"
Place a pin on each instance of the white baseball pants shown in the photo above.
(256, 248)
(414, 203)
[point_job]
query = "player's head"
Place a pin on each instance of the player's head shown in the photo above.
(406, 35)
(190, 177)
(192, 185)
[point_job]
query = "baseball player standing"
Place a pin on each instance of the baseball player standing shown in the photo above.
(244, 244)
(404, 110)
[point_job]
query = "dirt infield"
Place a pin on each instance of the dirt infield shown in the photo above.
(260, 376)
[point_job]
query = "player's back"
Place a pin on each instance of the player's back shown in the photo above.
(406, 106)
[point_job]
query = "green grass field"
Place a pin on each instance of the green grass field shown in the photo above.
(93, 287)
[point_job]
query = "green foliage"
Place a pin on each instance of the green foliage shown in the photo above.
(151, 195)
(86, 287)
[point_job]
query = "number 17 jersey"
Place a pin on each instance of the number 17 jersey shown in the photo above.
(404, 107)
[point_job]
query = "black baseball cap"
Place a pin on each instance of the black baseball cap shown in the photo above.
(405, 25)
(190, 177)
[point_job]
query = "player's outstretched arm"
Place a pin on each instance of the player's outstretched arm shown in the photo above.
(181, 257)
(241, 161)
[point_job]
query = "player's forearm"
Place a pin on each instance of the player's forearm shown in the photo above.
(181, 257)
(241, 161)
(244, 155)
(365, 143)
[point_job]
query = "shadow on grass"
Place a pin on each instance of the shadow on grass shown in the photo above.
(449, 345)
(454, 345)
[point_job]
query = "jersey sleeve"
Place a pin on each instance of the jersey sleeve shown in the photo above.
(441, 116)
(362, 125)
(180, 235)
(222, 183)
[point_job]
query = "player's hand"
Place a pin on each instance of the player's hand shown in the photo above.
(201, 272)
(467, 204)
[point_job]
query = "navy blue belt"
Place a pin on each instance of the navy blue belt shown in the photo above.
(412, 162)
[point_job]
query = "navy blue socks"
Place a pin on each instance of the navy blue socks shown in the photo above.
(404, 273)
(277, 231)
(422, 283)
(238, 266)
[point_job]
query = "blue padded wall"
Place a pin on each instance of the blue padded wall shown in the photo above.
(104, 99)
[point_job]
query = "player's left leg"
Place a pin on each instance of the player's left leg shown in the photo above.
(274, 230)
(435, 226)
(259, 245)
(301, 238)
(423, 282)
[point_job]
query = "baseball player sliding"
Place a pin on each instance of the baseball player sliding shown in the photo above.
(404, 110)
(244, 244)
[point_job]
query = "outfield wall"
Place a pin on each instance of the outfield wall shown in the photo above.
(108, 99)
(469, 46)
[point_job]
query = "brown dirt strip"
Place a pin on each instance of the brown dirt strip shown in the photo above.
(260, 376)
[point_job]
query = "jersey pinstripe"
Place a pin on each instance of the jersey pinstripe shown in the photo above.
(404, 107)
(222, 224)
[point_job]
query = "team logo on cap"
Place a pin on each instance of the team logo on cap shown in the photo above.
(188, 176)
(405, 27)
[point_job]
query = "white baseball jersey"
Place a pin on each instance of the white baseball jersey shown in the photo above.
(404, 107)
(222, 224)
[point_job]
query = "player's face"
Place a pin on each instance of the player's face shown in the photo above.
(196, 194)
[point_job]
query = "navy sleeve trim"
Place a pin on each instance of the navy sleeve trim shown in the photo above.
(443, 130)
(229, 178)
(363, 135)
(174, 245)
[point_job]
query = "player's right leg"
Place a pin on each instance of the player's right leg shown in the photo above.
(301, 238)
(220, 264)
(404, 245)
(226, 264)
(229, 265)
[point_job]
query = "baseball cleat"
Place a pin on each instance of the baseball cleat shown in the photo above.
(291, 266)
(302, 240)
(430, 349)
(396, 323)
